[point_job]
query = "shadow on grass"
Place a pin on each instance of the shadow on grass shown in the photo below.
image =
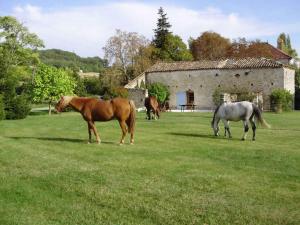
(58, 139)
(203, 136)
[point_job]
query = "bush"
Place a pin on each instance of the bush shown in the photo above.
(281, 100)
(160, 91)
(217, 97)
(17, 107)
(92, 85)
(246, 96)
(2, 112)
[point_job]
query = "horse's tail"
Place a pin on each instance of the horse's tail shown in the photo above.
(258, 115)
(131, 119)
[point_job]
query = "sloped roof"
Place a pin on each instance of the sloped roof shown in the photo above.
(277, 54)
(246, 63)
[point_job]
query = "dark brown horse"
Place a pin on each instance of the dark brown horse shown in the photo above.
(93, 109)
(152, 105)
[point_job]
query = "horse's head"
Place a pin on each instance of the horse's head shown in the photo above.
(63, 103)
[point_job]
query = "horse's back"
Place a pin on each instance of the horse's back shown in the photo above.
(236, 111)
(151, 103)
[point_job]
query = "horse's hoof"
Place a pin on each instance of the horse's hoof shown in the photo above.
(253, 139)
(88, 142)
(243, 139)
(131, 143)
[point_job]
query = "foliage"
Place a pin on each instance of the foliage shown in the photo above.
(2, 112)
(246, 96)
(18, 107)
(281, 98)
(210, 46)
(16, 44)
(51, 83)
(122, 50)
(116, 92)
(162, 30)
(80, 89)
(160, 91)
(92, 85)
(65, 59)
(217, 97)
(18, 58)
(174, 49)
(242, 48)
(284, 44)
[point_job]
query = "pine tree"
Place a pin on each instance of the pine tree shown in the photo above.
(162, 29)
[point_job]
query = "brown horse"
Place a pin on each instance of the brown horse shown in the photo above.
(93, 109)
(151, 104)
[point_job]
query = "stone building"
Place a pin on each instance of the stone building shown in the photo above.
(195, 82)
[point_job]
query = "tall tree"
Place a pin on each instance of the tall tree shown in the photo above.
(210, 46)
(122, 49)
(162, 30)
(17, 55)
(284, 44)
(175, 49)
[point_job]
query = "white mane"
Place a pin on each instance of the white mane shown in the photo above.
(66, 100)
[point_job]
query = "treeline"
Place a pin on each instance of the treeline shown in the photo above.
(65, 59)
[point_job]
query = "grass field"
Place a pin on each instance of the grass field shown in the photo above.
(176, 173)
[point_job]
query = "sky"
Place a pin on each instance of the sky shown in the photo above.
(84, 26)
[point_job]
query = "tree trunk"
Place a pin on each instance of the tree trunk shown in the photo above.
(49, 108)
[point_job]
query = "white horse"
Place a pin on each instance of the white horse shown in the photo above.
(237, 111)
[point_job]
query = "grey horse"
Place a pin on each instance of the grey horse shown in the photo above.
(236, 111)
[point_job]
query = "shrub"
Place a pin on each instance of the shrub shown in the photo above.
(17, 107)
(281, 99)
(160, 91)
(2, 112)
(245, 96)
(217, 97)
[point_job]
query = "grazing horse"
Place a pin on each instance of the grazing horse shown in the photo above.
(93, 109)
(237, 111)
(152, 105)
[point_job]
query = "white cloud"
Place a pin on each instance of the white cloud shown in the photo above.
(86, 29)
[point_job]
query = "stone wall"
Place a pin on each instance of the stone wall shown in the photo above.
(138, 96)
(204, 82)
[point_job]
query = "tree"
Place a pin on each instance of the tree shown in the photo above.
(17, 56)
(51, 83)
(122, 49)
(242, 48)
(284, 44)
(210, 46)
(162, 30)
(160, 91)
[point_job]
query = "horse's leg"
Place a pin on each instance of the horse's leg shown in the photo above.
(226, 125)
(246, 128)
(157, 113)
(124, 130)
(148, 114)
(253, 128)
(92, 124)
(90, 133)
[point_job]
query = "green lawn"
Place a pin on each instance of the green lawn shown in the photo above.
(176, 173)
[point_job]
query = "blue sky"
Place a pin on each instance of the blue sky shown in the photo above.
(84, 26)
